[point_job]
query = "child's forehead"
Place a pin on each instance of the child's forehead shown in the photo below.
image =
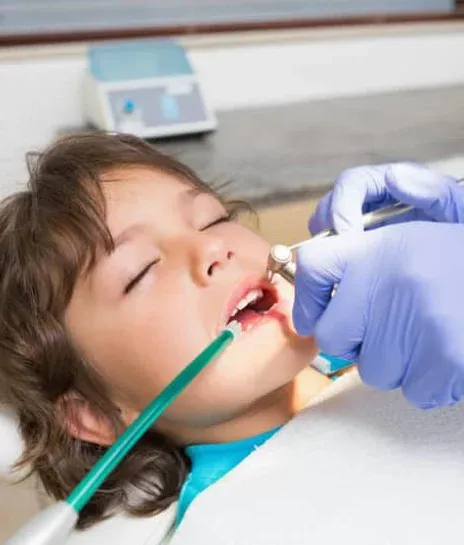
(134, 190)
(134, 182)
(150, 176)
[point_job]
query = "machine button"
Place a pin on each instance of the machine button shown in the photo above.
(129, 106)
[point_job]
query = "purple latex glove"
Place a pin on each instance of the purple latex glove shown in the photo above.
(398, 310)
(363, 189)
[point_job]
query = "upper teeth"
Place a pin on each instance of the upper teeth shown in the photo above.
(249, 298)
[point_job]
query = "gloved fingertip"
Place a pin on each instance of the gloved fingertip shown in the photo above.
(394, 173)
(404, 180)
(320, 219)
(314, 225)
(301, 323)
(331, 342)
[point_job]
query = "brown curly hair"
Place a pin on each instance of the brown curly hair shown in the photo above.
(49, 235)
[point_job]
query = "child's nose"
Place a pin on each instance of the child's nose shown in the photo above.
(212, 254)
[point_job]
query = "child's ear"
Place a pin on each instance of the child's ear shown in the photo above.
(82, 422)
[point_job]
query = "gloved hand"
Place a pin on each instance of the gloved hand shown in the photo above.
(364, 189)
(398, 310)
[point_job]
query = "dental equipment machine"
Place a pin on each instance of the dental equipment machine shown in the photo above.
(146, 87)
(53, 525)
(280, 257)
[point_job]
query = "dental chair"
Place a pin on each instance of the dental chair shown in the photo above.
(120, 529)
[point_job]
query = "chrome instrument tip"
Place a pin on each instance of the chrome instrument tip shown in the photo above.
(281, 254)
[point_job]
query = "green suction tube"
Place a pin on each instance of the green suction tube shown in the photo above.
(79, 497)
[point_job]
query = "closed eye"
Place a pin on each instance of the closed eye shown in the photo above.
(223, 219)
(136, 279)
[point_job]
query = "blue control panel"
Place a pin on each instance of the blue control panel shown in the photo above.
(138, 60)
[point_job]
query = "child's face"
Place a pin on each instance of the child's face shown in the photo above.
(141, 334)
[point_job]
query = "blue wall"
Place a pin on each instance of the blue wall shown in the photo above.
(22, 16)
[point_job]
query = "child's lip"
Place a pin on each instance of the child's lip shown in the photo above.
(247, 284)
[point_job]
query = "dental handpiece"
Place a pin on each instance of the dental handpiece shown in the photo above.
(280, 257)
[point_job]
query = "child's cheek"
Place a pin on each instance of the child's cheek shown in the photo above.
(251, 245)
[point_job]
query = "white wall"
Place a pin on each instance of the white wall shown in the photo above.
(39, 96)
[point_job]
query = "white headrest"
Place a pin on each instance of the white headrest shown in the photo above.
(10, 439)
(124, 528)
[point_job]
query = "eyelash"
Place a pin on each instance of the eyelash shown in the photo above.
(134, 281)
(223, 219)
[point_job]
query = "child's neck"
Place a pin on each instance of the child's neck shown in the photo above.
(272, 411)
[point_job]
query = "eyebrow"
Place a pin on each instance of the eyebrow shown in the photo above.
(127, 234)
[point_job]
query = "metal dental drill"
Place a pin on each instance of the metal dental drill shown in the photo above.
(280, 257)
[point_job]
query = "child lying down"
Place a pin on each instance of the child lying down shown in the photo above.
(119, 265)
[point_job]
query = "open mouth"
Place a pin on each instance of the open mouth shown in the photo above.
(252, 306)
